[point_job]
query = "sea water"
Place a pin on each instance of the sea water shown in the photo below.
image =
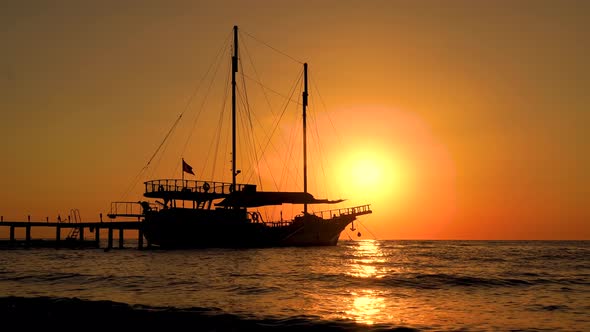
(366, 284)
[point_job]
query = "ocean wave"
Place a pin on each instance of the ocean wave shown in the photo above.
(442, 280)
(253, 290)
(42, 277)
(551, 307)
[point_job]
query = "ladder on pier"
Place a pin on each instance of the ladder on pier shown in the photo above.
(75, 218)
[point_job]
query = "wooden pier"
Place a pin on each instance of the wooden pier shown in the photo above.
(76, 237)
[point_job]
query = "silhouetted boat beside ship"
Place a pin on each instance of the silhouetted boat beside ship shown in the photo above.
(224, 214)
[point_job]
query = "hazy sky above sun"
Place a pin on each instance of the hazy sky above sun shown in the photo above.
(454, 119)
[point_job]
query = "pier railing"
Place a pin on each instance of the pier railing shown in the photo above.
(196, 186)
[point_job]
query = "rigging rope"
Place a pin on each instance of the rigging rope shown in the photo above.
(288, 99)
(320, 149)
(274, 91)
(245, 48)
(134, 182)
(218, 62)
(365, 227)
(276, 125)
(294, 136)
(144, 168)
(272, 48)
(219, 130)
(314, 86)
(249, 118)
(325, 108)
(254, 142)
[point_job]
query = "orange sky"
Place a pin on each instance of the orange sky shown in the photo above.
(474, 114)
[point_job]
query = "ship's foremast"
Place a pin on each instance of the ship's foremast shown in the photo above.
(305, 94)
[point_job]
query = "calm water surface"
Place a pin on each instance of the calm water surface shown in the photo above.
(425, 285)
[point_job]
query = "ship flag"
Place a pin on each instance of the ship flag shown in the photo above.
(187, 168)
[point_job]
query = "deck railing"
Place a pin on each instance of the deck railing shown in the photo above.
(334, 213)
(278, 223)
(196, 186)
(327, 214)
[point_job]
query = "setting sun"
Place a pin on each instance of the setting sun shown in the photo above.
(371, 174)
(366, 172)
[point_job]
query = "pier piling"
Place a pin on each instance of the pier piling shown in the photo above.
(140, 238)
(28, 234)
(97, 237)
(77, 239)
(57, 235)
(110, 241)
(121, 238)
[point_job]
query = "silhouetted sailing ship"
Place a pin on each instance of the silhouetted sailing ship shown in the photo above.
(223, 214)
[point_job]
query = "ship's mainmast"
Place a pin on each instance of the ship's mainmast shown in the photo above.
(234, 64)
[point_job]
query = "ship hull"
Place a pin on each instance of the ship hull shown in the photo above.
(232, 229)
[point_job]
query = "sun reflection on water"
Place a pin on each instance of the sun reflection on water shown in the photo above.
(367, 256)
(367, 306)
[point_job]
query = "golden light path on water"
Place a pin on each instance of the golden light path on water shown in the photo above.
(422, 285)
(366, 306)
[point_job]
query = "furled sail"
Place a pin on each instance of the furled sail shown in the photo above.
(262, 198)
